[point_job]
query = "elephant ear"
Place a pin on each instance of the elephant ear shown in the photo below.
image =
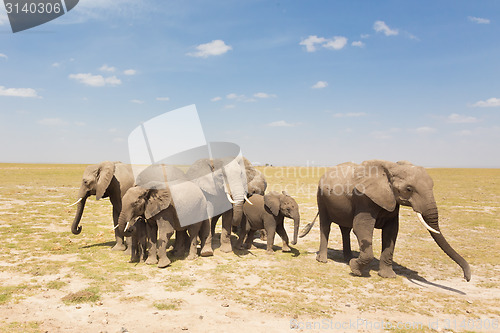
(372, 180)
(106, 173)
(157, 201)
(201, 174)
(258, 184)
(272, 201)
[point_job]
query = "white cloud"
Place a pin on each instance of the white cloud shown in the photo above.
(52, 122)
(130, 72)
(264, 95)
(236, 97)
(106, 68)
(95, 80)
(349, 115)
(320, 85)
(479, 20)
(56, 64)
(136, 101)
(425, 130)
(216, 99)
(3, 56)
(280, 123)
(365, 36)
(18, 92)
(163, 99)
(491, 102)
(380, 26)
(358, 43)
(335, 43)
(214, 48)
(461, 119)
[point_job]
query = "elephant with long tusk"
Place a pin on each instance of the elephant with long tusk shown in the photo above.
(367, 196)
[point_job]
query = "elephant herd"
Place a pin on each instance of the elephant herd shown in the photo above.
(149, 206)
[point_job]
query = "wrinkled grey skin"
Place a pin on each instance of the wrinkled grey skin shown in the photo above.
(226, 180)
(157, 206)
(268, 212)
(367, 196)
(106, 179)
(139, 241)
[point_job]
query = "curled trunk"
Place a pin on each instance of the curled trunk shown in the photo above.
(431, 218)
(75, 228)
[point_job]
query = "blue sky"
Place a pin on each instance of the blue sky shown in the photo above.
(291, 82)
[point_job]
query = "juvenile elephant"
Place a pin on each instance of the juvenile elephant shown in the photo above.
(164, 206)
(268, 212)
(226, 184)
(106, 179)
(367, 196)
(139, 241)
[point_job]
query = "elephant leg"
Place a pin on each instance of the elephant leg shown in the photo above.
(152, 231)
(249, 239)
(206, 239)
(179, 243)
(363, 225)
(346, 243)
(324, 231)
(163, 238)
(194, 230)
(263, 235)
(120, 244)
(135, 252)
(225, 236)
(271, 232)
(280, 229)
(244, 228)
(213, 224)
(389, 235)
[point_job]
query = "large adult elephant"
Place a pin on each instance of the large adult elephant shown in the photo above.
(367, 196)
(226, 183)
(106, 179)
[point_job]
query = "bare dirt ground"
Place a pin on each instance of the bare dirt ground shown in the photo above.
(53, 281)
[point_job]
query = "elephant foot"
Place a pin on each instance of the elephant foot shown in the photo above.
(322, 258)
(207, 252)
(134, 259)
(163, 262)
(270, 252)
(226, 247)
(192, 256)
(386, 272)
(286, 248)
(355, 267)
(348, 257)
(151, 260)
(119, 247)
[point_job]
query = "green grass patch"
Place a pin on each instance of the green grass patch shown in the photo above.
(171, 304)
(89, 295)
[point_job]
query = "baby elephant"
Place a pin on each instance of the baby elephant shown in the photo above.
(268, 212)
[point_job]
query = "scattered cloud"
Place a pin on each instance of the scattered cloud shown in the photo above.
(461, 119)
(95, 80)
(365, 36)
(334, 43)
(235, 96)
(52, 122)
(137, 101)
(479, 20)
(425, 130)
(349, 115)
(56, 64)
(130, 72)
(163, 99)
(214, 48)
(216, 99)
(264, 95)
(281, 123)
(320, 85)
(491, 102)
(358, 43)
(3, 56)
(18, 92)
(106, 68)
(380, 26)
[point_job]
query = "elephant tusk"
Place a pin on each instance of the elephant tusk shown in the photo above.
(229, 198)
(126, 227)
(77, 201)
(421, 219)
(116, 226)
(247, 200)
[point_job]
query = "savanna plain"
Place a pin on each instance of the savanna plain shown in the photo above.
(54, 281)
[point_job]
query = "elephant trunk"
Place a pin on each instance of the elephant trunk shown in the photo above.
(296, 225)
(431, 218)
(75, 228)
(237, 213)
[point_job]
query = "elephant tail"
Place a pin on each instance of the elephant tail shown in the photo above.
(308, 227)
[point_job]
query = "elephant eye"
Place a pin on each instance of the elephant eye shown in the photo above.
(409, 188)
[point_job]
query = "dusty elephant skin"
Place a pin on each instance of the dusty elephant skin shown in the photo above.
(106, 179)
(367, 196)
(268, 212)
(229, 185)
